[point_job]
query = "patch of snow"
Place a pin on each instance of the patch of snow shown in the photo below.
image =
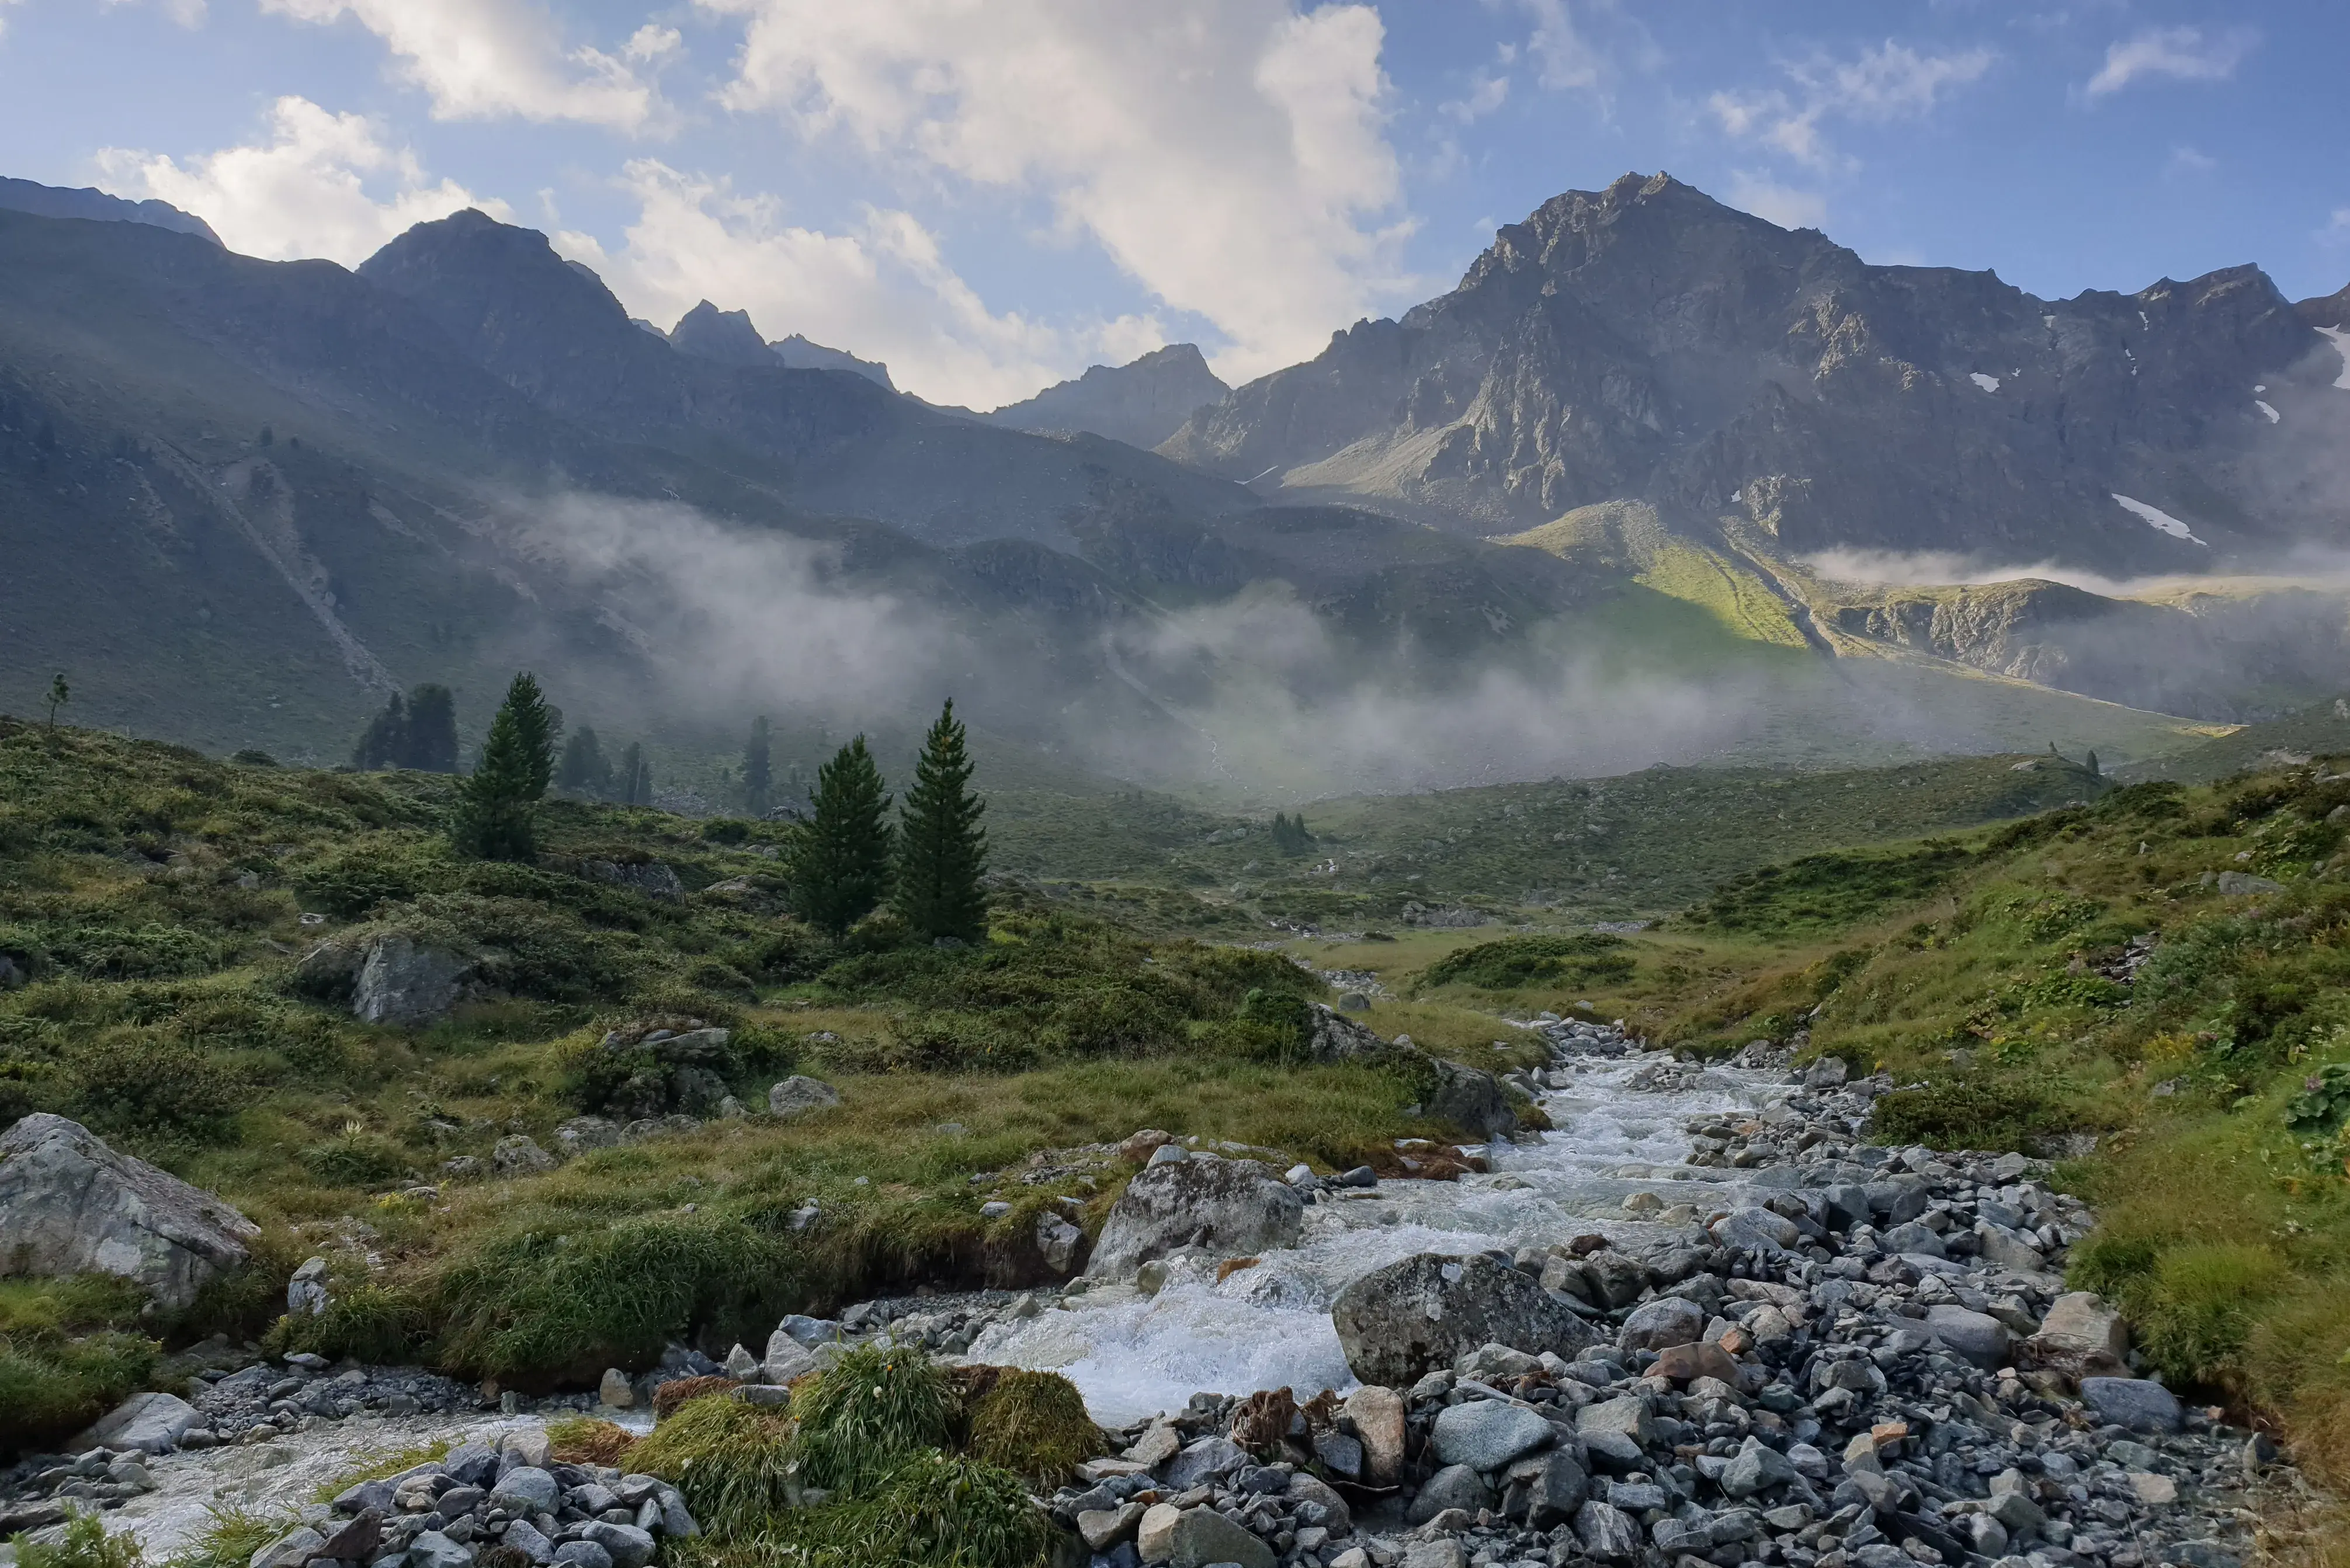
(2049, 322)
(2262, 387)
(2340, 337)
(2266, 410)
(1738, 497)
(2155, 517)
(1988, 383)
(2143, 324)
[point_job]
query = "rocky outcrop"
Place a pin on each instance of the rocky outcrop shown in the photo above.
(388, 977)
(1201, 1204)
(69, 1205)
(1471, 1099)
(1141, 403)
(798, 1094)
(1399, 1322)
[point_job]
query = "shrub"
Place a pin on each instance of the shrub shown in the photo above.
(2194, 1312)
(1963, 1112)
(369, 1323)
(1034, 1425)
(1513, 963)
(734, 1462)
(132, 1081)
(230, 1537)
(869, 1411)
(355, 1159)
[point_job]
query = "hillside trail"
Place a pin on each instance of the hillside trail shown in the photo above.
(1268, 1324)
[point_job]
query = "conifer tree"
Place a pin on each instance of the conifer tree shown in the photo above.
(635, 784)
(497, 809)
(59, 695)
(384, 742)
(1289, 833)
(585, 770)
(431, 745)
(758, 770)
(942, 847)
(840, 855)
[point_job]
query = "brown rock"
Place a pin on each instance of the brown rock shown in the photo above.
(1687, 1362)
(2080, 1338)
(1379, 1424)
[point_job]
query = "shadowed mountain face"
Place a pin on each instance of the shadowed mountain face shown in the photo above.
(55, 201)
(1141, 403)
(1647, 343)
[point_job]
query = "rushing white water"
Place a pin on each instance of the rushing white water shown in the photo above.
(1269, 1326)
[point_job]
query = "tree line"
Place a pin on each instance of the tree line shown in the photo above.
(845, 862)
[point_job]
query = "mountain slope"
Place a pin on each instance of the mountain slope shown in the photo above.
(1647, 343)
(97, 206)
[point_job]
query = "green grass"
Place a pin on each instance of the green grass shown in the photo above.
(737, 1464)
(68, 1355)
(1034, 1425)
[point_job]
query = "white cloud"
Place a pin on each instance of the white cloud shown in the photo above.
(1485, 94)
(1230, 155)
(1562, 57)
(2187, 163)
(485, 59)
(2185, 54)
(1788, 208)
(306, 191)
(1877, 86)
(2336, 231)
(883, 291)
(186, 13)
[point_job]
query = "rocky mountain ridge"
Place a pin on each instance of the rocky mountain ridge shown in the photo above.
(57, 202)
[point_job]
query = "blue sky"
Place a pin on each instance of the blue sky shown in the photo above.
(990, 194)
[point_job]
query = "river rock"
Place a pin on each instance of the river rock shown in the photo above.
(1978, 1336)
(430, 1550)
(1472, 1100)
(1668, 1320)
(1154, 1536)
(1398, 1323)
(2081, 1337)
(1379, 1422)
(527, 1489)
(629, 1546)
(1556, 1491)
(1203, 1537)
(1201, 1462)
(798, 1094)
(1219, 1207)
(1607, 1532)
(1454, 1486)
(1486, 1434)
(70, 1205)
(151, 1423)
(407, 982)
(1757, 1467)
(582, 1554)
(1060, 1243)
(290, 1550)
(2138, 1402)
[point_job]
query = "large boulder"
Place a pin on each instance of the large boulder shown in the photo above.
(1398, 1323)
(151, 1423)
(70, 1205)
(1217, 1208)
(408, 982)
(2081, 1337)
(1472, 1100)
(798, 1094)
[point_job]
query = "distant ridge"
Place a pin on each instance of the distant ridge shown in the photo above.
(1141, 403)
(57, 201)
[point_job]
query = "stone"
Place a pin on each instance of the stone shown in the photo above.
(1977, 1336)
(615, 1391)
(1454, 1486)
(786, 1359)
(305, 1293)
(2080, 1338)
(2154, 1490)
(1061, 1244)
(1757, 1467)
(405, 983)
(1154, 1536)
(1626, 1416)
(356, 1541)
(434, 1550)
(1444, 1552)
(1471, 1099)
(1379, 1422)
(290, 1550)
(1158, 1444)
(2243, 884)
(1203, 1537)
(1201, 1462)
(149, 1423)
(2138, 1402)
(1336, 1516)
(1827, 1073)
(2004, 1249)
(527, 1489)
(1756, 1230)
(1398, 1323)
(653, 879)
(1607, 1532)
(583, 1555)
(1557, 1490)
(374, 1494)
(1216, 1207)
(1104, 1528)
(1667, 1320)
(517, 1154)
(630, 1547)
(71, 1205)
(1487, 1434)
(525, 1538)
(798, 1094)
(1339, 1454)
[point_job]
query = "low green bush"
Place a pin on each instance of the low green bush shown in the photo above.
(870, 1411)
(1034, 1425)
(1977, 1112)
(932, 1510)
(1514, 964)
(737, 1464)
(87, 1544)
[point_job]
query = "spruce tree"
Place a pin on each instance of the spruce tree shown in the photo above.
(635, 782)
(942, 847)
(497, 809)
(431, 740)
(384, 742)
(840, 855)
(585, 770)
(758, 770)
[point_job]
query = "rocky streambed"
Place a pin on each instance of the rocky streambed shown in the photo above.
(1701, 1321)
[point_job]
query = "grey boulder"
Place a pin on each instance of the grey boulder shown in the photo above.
(1203, 1537)
(431, 1550)
(2138, 1402)
(798, 1094)
(630, 1547)
(290, 1550)
(1398, 1323)
(1486, 1434)
(1471, 1099)
(150, 1423)
(1978, 1336)
(2081, 1337)
(1607, 1532)
(1219, 1208)
(527, 1489)
(404, 981)
(1665, 1322)
(1454, 1486)
(70, 1205)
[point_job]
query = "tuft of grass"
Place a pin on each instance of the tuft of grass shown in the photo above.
(736, 1463)
(676, 1394)
(584, 1440)
(232, 1534)
(66, 1356)
(86, 1543)
(931, 1511)
(869, 1411)
(1517, 963)
(367, 1323)
(1034, 1425)
(1979, 1112)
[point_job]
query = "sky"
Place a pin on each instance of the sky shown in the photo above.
(990, 196)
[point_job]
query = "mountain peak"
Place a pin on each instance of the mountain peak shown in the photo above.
(1141, 402)
(799, 354)
(726, 335)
